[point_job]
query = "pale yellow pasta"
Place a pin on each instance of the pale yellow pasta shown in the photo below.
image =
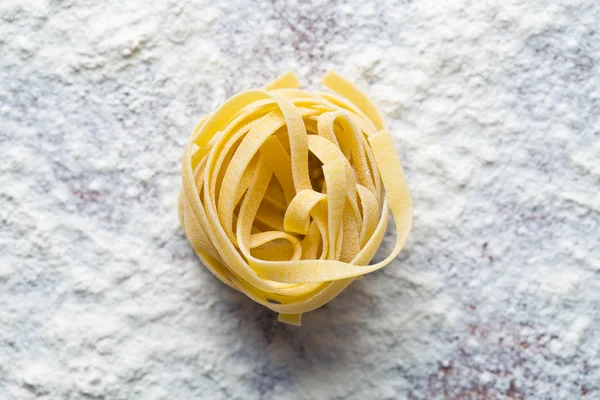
(286, 194)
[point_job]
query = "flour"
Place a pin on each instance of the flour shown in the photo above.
(494, 107)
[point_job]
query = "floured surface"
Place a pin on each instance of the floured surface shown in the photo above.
(495, 112)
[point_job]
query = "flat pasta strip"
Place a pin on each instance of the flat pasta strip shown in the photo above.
(289, 233)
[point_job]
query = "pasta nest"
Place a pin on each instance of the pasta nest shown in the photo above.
(287, 194)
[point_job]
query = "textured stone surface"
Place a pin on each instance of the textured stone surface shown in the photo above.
(495, 109)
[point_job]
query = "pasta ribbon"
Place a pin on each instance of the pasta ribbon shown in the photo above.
(287, 194)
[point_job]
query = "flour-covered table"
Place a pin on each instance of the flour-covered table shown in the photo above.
(494, 107)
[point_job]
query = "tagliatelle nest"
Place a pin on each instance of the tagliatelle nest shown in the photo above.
(283, 193)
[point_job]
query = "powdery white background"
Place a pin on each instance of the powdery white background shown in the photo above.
(495, 109)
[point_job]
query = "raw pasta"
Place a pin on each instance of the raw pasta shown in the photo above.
(286, 194)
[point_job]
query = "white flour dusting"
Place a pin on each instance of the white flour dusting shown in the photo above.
(494, 106)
